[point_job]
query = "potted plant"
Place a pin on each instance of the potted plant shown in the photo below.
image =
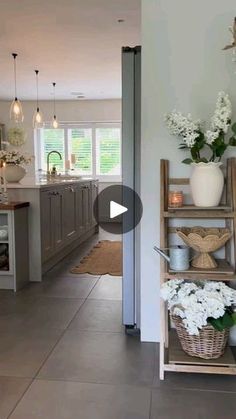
(202, 313)
(14, 170)
(206, 149)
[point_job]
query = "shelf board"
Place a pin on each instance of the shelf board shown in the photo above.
(193, 207)
(195, 212)
(178, 357)
(223, 268)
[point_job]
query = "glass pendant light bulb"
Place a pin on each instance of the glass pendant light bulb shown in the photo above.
(16, 111)
(38, 119)
(55, 123)
(38, 116)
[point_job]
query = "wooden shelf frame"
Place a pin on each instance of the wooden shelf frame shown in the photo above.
(226, 271)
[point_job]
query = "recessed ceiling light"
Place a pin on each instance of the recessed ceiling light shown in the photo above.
(76, 93)
(121, 20)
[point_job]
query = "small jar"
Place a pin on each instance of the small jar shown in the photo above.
(176, 199)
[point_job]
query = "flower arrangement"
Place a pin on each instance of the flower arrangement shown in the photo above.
(199, 304)
(14, 157)
(196, 140)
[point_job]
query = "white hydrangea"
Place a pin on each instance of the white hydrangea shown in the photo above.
(196, 302)
(183, 126)
(169, 292)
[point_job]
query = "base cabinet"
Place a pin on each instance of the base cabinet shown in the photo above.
(67, 214)
(46, 224)
(14, 249)
(94, 203)
(57, 220)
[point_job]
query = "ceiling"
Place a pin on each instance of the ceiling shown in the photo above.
(76, 43)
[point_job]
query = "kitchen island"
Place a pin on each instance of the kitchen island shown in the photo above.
(61, 217)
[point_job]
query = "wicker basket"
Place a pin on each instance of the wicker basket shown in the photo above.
(209, 344)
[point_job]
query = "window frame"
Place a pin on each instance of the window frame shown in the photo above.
(86, 125)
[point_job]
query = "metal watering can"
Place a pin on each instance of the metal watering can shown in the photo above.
(178, 257)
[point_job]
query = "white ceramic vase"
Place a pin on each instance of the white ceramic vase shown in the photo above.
(207, 183)
(14, 173)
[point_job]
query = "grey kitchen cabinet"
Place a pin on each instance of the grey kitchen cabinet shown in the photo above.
(67, 214)
(52, 222)
(46, 224)
(57, 219)
(79, 210)
(60, 219)
(85, 206)
(86, 195)
(94, 202)
(70, 212)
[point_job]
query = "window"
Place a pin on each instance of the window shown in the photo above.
(53, 139)
(80, 144)
(108, 160)
(89, 150)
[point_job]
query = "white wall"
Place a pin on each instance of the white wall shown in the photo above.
(67, 111)
(184, 67)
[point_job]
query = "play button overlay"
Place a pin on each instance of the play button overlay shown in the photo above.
(118, 209)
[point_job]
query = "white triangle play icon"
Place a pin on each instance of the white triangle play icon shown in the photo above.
(116, 209)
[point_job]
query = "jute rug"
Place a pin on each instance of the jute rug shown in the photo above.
(104, 258)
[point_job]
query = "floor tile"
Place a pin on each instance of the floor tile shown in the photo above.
(101, 358)
(52, 313)
(197, 381)
(71, 287)
(22, 351)
(67, 400)
(99, 315)
(65, 287)
(14, 311)
(108, 288)
(182, 404)
(11, 390)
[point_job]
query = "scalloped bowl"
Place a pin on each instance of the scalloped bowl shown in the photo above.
(204, 241)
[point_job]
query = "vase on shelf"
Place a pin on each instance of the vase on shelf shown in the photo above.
(206, 183)
(14, 173)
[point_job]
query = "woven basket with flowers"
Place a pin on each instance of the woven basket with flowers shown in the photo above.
(202, 314)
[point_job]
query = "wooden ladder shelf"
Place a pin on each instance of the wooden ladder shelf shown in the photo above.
(172, 357)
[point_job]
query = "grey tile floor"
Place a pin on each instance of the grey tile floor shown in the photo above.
(64, 355)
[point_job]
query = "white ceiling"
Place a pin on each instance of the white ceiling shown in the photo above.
(76, 43)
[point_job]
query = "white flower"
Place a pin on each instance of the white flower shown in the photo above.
(221, 119)
(183, 126)
(195, 303)
(211, 136)
(14, 157)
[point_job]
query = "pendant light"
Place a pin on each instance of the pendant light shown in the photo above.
(38, 116)
(16, 112)
(55, 123)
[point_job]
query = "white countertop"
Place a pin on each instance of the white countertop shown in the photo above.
(37, 183)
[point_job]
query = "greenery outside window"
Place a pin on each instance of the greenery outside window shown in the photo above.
(95, 148)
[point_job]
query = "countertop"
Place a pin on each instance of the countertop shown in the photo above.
(36, 183)
(12, 205)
